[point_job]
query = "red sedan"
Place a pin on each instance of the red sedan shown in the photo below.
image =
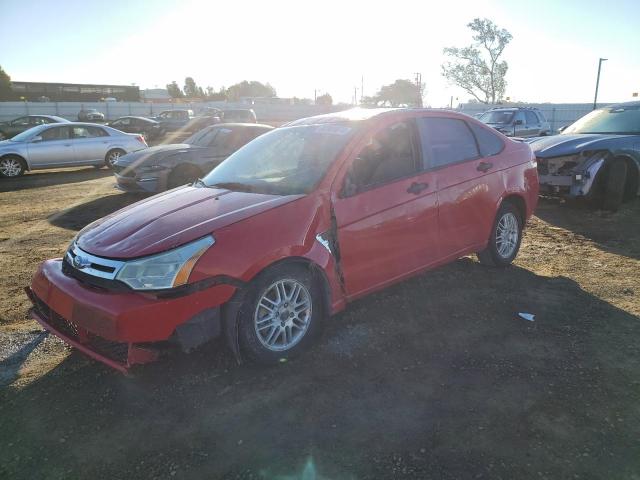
(289, 229)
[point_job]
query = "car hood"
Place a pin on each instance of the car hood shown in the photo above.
(171, 219)
(561, 145)
(155, 153)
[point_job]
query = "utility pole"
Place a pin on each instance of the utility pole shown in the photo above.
(419, 88)
(595, 99)
(355, 96)
(315, 96)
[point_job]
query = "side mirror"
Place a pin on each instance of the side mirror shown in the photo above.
(36, 139)
(518, 122)
(563, 128)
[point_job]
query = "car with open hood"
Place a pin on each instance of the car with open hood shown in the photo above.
(597, 157)
(168, 166)
(286, 231)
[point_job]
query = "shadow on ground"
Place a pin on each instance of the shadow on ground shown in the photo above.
(613, 233)
(436, 377)
(44, 178)
(77, 217)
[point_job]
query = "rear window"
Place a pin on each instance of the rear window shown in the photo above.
(446, 141)
(489, 142)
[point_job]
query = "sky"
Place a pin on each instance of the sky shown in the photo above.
(302, 46)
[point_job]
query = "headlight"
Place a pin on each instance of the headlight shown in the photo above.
(165, 270)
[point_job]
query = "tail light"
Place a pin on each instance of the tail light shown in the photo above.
(141, 139)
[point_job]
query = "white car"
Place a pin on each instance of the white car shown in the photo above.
(65, 145)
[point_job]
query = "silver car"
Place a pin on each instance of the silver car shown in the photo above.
(65, 145)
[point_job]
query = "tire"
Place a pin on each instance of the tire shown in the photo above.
(12, 166)
(267, 338)
(112, 156)
(501, 251)
(182, 175)
(614, 185)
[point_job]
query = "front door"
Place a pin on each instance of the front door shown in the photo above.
(54, 148)
(386, 210)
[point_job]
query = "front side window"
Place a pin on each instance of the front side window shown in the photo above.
(286, 161)
(56, 133)
(389, 155)
(446, 141)
(531, 117)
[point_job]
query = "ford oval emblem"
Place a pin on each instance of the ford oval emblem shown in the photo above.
(80, 262)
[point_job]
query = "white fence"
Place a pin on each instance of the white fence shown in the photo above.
(112, 110)
(557, 114)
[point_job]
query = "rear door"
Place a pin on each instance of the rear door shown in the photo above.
(468, 183)
(90, 144)
(386, 210)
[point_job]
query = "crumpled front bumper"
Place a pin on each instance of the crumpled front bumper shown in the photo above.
(114, 328)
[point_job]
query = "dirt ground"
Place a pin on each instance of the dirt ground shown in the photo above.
(436, 377)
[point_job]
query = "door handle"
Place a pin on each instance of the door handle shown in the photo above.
(417, 187)
(484, 166)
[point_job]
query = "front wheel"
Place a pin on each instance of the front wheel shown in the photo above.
(281, 314)
(11, 166)
(505, 239)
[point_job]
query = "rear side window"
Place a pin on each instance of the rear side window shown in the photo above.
(541, 116)
(489, 142)
(446, 141)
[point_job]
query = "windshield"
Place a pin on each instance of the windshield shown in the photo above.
(203, 138)
(621, 120)
(497, 117)
(286, 161)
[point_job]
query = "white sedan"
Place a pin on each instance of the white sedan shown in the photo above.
(65, 145)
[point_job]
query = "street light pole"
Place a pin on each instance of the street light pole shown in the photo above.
(595, 99)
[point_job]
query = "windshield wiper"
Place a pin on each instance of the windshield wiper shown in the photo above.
(234, 186)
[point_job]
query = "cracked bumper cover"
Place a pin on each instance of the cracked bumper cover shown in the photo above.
(92, 319)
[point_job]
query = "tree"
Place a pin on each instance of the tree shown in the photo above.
(250, 89)
(400, 92)
(6, 93)
(324, 99)
(190, 87)
(174, 90)
(477, 69)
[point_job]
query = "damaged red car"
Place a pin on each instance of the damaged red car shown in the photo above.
(288, 230)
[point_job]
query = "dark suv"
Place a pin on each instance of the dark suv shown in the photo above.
(239, 116)
(517, 121)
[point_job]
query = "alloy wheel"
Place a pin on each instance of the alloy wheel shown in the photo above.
(282, 315)
(113, 157)
(10, 167)
(507, 233)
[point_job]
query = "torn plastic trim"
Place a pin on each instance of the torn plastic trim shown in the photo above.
(575, 173)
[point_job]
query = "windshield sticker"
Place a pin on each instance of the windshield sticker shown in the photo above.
(333, 129)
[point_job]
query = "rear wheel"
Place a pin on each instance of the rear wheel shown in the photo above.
(12, 166)
(182, 175)
(281, 315)
(113, 156)
(505, 239)
(614, 185)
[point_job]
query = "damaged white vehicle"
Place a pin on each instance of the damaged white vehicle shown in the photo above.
(597, 157)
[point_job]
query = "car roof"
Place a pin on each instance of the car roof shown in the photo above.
(242, 125)
(136, 117)
(361, 114)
